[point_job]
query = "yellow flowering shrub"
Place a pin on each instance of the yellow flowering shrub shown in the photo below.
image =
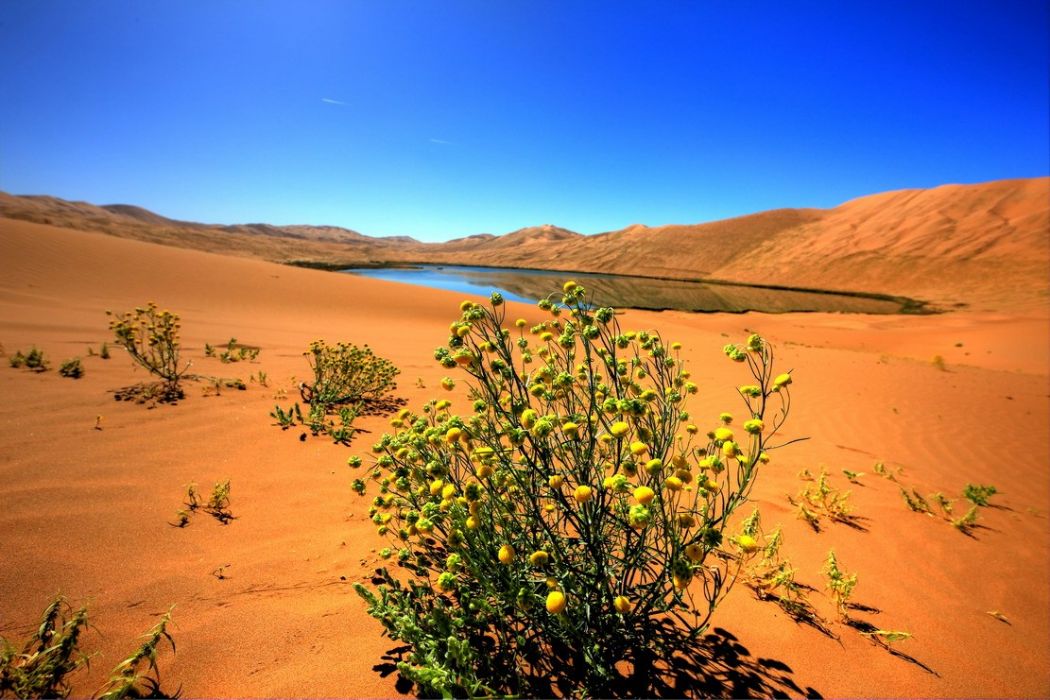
(151, 337)
(551, 531)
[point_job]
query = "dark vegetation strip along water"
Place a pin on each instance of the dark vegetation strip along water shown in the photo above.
(633, 291)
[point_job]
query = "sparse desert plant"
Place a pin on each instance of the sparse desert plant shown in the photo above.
(151, 338)
(887, 637)
(915, 501)
(565, 525)
(938, 363)
(33, 360)
(346, 374)
(821, 499)
(40, 666)
(72, 368)
(852, 477)
(193, 499)
(103, 351)
(967, 521)
(218, 505)
(943, 502)
(839, 583)
(209, 350)
(880, 469)
(286, 419)
(978, 494)
(235, 352)
(138, 676)
(772, 577)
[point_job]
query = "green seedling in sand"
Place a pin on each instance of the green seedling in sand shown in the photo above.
(72, 369)
(772, 578)
(852, 477)
(820, 499)
(979, 494)
(138, 676)
(237, 353)
(887, 637)
(839, 583)
(946, 505)
(39, 668)
(915, 501)
(218, 505)
(104, 351)
(967, 522)
(286, 419)
(33, 360)
(151, 337)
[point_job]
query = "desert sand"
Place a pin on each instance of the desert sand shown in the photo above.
(86, 511)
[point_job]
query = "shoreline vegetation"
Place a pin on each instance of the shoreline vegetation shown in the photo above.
(907, 305)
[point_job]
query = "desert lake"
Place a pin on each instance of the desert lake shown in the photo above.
(622, 291)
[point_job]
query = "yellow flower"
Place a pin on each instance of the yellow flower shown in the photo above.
(686, 520)
(582, 494)
(639, 448)
(747, 543)
(448, 492)
(653, 466)
(463, 331)
(453, 435)
(556, 481)
(466, 305)
(520, 323)
(538, 558)
(619, 429)
(673, 483)
(436, 486)
(763, 458)
(623, 604)
(472, 523)
(569, 286)
(484, 471)
(447, 383)
(729, 448)
(723, 434)
(556, 602)
(570, 428)
(754, 426)
(528, 418)
(506, 554)
(782, 380)
(695, 552)
(644, 495)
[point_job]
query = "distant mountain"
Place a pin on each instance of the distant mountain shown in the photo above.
(989, 241)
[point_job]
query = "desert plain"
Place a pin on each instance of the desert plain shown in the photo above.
(89, 486)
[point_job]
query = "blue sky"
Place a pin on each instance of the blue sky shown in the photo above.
(441, 119)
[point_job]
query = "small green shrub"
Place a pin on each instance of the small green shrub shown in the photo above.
(346, 374)
(41, 666)
(576, 517)
(235, 352)
(839, 583)
(72, 369)
(979, 494)
(104, 351)
(138, 676)
(33, 360)
(151, 338)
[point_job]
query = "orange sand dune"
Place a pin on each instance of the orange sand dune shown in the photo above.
(85, 512)
(985, 245)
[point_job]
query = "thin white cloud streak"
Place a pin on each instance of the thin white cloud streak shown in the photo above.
(441, 141)
(329, 100)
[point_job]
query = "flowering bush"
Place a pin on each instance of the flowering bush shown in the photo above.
(346, 374)
(151, 338)
(577, 512)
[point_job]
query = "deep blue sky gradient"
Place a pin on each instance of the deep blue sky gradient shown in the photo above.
(441, 119)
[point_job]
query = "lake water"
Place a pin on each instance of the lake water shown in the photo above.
(628, 292)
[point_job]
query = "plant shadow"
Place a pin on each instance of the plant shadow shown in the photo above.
(869, 630)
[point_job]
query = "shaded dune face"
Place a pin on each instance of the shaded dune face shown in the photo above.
(985, 245)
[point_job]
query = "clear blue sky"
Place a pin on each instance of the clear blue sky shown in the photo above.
(441, 119)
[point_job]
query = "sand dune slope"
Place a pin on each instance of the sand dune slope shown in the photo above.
(86, 511)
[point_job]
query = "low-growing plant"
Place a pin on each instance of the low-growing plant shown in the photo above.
(839, 583)
(967, 521)
(979, 494)
(821, 500)
(346, 374)
(151, 338)
(235, 352)
(39, 667)
(887, 637)
(880, 469)
(915, 501)
(33, 360)
(772, 577)
(286, 418)
(218, 505)
(209, 350)
(938, 363)
(103, 351)
(565, 525)
(852, 477)
(72, 369)
(138, 676)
